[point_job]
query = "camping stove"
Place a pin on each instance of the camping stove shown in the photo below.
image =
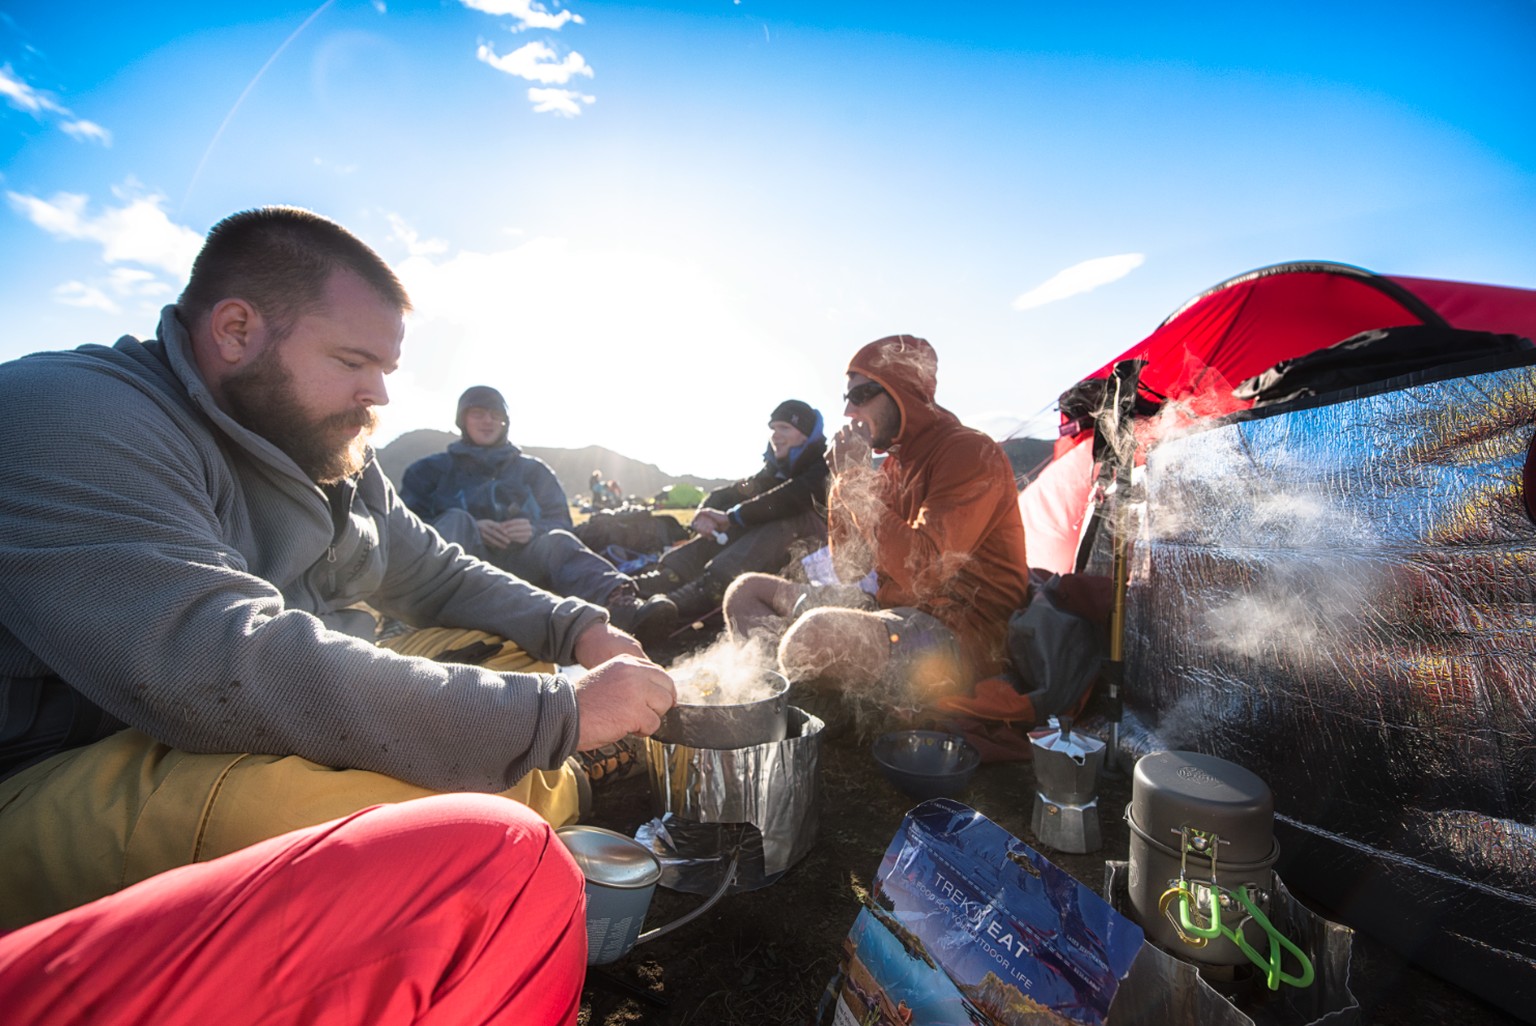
(750, 809)
(1066, 813)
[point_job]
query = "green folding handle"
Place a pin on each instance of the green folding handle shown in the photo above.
(1273, 973)
(1188, 925)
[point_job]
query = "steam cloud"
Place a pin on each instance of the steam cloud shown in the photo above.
(1320, 571)
(729, 672)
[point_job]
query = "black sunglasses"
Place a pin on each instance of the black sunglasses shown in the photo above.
(858, 395)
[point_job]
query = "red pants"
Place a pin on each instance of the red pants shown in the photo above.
(454, 909)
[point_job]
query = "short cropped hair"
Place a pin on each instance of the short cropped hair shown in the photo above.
(279, 260)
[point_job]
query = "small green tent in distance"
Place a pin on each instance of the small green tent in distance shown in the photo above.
(679, 496)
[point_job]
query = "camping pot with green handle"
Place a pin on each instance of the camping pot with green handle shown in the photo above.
(1201, 829)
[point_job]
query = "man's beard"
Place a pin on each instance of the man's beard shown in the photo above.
(262, 399)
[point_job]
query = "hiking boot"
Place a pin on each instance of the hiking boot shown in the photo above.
(651, 619)
(622, 604)
(657, 580)
(654, 619)
(697, 598)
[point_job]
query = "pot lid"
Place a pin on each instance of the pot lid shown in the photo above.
(609, 858)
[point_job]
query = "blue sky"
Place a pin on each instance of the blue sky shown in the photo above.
(650, 223)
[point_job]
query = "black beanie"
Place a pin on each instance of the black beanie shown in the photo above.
(485, 397)
(796, 413)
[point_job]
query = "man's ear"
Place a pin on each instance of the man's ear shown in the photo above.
(235, 327)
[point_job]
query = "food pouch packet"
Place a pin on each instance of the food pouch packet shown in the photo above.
(969, 926)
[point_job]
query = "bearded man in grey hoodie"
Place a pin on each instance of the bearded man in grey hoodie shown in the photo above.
(191, 528)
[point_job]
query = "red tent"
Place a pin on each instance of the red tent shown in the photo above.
(1239, 329)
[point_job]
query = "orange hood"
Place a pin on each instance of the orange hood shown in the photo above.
(906, 367)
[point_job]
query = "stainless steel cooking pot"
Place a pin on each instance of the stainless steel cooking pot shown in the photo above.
(725, 725)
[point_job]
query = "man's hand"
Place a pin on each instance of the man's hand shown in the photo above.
(849, 448)
(625, 695)
(708, 521)
(601, 642)
(498, 534)
(493, 534)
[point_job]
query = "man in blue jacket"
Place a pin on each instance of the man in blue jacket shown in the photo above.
(754, 524)
(503, 506)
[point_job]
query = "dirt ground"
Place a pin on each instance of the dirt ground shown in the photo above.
(765, 957)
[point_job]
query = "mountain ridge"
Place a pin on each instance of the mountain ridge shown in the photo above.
(642, 480)
(572, 466)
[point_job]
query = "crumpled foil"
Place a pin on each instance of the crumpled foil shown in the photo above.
(1343, 600)
(762, 801)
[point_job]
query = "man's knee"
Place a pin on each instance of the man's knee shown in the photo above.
(753, 588)
(841, 643)
(481, 828)
(761, 590)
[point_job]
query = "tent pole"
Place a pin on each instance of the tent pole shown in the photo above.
(1119, 453)
(1114, 668)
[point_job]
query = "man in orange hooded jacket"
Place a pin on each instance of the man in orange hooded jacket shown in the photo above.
(937, 528)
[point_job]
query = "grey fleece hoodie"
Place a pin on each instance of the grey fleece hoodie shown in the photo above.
(186, 577)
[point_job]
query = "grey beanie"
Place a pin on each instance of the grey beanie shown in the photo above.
(485, 397)
(796, 414)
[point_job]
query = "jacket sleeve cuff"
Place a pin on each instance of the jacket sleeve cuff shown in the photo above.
(562, 702)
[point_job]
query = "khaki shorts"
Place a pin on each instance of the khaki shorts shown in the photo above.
(91, 821)
(925, 662)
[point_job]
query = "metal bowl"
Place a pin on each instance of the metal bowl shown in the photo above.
(926, 764)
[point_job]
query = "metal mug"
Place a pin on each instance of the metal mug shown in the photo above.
(621, 876)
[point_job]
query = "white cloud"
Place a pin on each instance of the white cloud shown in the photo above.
(536, 62)
(25, 97)
(78, 293)
(22, 96)
(340, 169)
(565, 102)
(1080, 278)
(415, 245)
(137, 239)
(529, 13)
(133, 286)
(87, 131)
(136, 283)
(137, 232)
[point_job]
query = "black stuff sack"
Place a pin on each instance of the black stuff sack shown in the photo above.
(638, 530)
(1053, 654)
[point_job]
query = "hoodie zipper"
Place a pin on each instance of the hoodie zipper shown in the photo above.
(341, 506)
